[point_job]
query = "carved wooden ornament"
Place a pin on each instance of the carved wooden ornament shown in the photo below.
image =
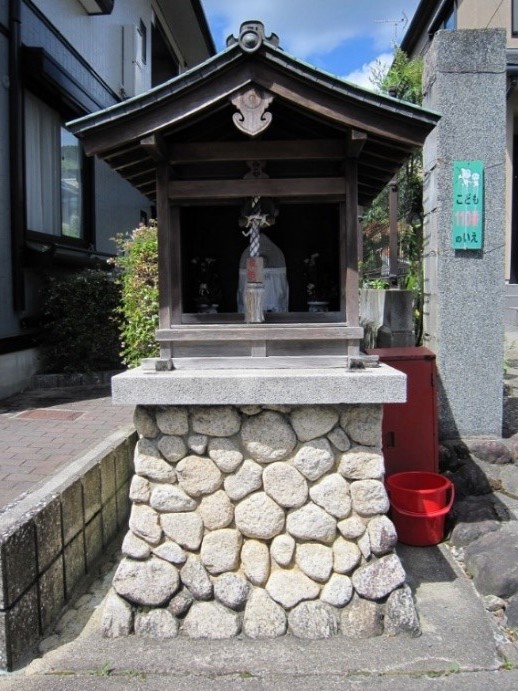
(252, 117)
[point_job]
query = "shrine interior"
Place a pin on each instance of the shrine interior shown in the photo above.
(300, 232)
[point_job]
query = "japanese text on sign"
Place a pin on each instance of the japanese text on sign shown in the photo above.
(468, 205)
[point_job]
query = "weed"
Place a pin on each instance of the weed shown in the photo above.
(105, 670)
(454, 668)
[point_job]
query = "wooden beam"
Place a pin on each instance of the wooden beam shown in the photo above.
(337, 108)
(372, 173)
(187, 103)
(125, 161)
(202, 152)
(155, 147)
(269, 362)
(184, 190)
(355, 143)
(258, 332)
(120, 151)
(143, 171)
(147, 188)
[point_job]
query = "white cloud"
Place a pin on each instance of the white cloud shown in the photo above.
(308, 28)
(362, 76)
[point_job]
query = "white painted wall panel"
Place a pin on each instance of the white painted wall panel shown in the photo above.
(118, 206)
(16, 371)
(99, 38)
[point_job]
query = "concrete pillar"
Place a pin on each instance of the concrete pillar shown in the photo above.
(465, 81)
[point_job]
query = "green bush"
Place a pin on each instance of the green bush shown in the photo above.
(137, 270)
(80, 330)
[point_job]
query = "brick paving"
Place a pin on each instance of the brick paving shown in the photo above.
(39, 435)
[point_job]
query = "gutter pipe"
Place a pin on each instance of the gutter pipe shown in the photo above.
(16, 167)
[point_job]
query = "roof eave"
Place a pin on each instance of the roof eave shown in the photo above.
(420, 118)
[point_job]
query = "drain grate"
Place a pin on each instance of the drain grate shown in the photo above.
(49, 414)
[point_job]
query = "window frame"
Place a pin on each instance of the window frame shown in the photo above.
(48, 81)
(87, 187)
(439, 20)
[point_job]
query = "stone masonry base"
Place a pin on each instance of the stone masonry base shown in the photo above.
(259, 520)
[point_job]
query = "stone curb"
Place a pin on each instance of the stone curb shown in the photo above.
(51, 539)
(60, 381)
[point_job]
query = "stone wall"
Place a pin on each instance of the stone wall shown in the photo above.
(259, 519)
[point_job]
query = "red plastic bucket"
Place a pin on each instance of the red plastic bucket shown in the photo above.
(420, 529)
(418, 492)
(420, 502)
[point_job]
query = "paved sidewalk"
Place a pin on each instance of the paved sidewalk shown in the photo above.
(42, 430)
(458, 649)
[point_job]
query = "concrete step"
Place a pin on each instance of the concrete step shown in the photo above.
(510, 297)
(511, 316)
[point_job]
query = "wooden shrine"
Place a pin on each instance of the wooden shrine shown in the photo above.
(254, 140)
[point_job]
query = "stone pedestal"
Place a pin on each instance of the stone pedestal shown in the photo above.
(387, 317)
(260, 518)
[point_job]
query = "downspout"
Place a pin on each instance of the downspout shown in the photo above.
(16, 160)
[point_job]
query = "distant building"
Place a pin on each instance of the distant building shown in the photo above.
(435, 15)
(58, 210)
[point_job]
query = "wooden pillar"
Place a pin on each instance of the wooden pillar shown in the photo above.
(360, 248)
(349, 225)
(165, 254)
(393, 236)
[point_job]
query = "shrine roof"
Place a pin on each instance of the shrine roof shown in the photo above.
(196, 99)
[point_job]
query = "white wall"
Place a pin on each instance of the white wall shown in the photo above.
(119, 217)
(87, 33)
(487, 14)
(16, 370)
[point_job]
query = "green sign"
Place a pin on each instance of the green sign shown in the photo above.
(468, 205)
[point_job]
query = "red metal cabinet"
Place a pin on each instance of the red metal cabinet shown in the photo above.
(410, 435)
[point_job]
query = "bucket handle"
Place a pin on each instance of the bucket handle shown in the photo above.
(440, 512)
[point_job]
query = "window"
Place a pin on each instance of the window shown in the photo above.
(445, 18)
(54, 176)
(164, 62)
(141, 42)
(71, 185)
(515, 17)
(450, 20)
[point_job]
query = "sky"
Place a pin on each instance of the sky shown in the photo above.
(345, 37)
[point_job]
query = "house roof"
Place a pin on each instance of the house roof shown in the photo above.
(426, 19)
(195, 107)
